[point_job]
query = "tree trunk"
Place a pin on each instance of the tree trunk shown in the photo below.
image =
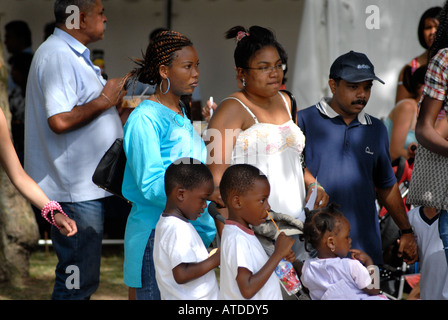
(19, 233)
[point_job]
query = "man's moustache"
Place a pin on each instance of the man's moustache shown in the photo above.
(363, 102)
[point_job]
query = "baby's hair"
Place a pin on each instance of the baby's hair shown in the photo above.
(188, 173)
(161, 51)
(239, 179)
(319, 221)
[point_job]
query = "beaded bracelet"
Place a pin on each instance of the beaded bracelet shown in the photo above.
(51, 207)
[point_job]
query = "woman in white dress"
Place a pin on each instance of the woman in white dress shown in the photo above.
(255, 125)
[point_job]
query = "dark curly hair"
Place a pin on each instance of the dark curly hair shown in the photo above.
(160, 51)
(319, 221)
(239, 178)
(187, 173)
(441, 39)
(257, 38)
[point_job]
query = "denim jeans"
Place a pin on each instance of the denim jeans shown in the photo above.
(79, 257)
(443, 231)
(149, 289)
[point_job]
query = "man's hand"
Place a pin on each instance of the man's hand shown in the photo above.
(114, 92)
(407, 248)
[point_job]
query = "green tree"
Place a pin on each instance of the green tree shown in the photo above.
(19, 233)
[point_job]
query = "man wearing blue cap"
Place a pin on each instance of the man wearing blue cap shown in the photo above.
(347, 150)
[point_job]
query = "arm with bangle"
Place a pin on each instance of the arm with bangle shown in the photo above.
(322, 197)
(27, 186)
(79, 116)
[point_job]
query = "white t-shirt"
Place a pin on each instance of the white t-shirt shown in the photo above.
(176, 241)
(434, 270)
(241, 248)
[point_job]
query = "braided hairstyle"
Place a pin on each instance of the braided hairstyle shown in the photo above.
(441, 39)
(254, 39)
(319, 221)
(161, 51)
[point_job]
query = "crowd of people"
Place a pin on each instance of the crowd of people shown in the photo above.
(326, 167)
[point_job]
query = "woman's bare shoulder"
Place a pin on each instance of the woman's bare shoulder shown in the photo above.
(230, 113)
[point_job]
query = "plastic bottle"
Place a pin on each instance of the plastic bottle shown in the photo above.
(288, 277)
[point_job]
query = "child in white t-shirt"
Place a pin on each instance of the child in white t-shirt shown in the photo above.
(332, 276)
(246, 270)
(433, 267)
(184, 270)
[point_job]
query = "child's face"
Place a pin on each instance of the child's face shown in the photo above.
(342, 240)
(195, 200)
(255, 203)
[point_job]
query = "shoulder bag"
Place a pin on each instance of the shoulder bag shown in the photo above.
(110, 170)
(429, 180)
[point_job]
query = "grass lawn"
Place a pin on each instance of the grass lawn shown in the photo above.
(39, 285)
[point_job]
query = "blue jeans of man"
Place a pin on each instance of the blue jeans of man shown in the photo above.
(443, 230)
(79, 257)
(149, 289)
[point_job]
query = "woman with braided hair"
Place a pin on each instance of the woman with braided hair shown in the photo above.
(156, 134)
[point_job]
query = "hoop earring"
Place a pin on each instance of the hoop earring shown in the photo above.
(244, 83)
(169, 86)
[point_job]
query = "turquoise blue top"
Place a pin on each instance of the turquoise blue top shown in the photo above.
(410, 138)
(154, 137)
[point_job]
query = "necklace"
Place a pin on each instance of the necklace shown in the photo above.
(178, 112)
(178, 117)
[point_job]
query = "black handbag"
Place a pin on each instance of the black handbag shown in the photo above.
(109, 173)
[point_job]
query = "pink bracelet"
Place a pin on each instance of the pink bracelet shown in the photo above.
(51, 207)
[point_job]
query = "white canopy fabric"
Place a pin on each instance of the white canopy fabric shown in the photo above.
(387, 35)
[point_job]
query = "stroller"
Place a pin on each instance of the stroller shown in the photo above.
(395, 274)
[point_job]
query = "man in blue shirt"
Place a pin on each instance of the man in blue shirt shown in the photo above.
(71, 120)
(347, 150)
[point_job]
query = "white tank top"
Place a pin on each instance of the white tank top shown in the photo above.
(275, 150)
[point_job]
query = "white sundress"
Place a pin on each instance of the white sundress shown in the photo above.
(275, 150)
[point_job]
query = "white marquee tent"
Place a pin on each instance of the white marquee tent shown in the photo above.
(313, 32)
(330, 28)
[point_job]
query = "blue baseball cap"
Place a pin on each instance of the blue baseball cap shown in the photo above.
(353, 67)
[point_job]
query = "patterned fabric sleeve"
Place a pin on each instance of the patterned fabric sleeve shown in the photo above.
(436, 80)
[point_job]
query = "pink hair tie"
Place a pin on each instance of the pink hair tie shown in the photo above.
(51, 207)
(241, 35)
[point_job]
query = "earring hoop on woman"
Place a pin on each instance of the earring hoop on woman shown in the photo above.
(244, 83)
(169, 86)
